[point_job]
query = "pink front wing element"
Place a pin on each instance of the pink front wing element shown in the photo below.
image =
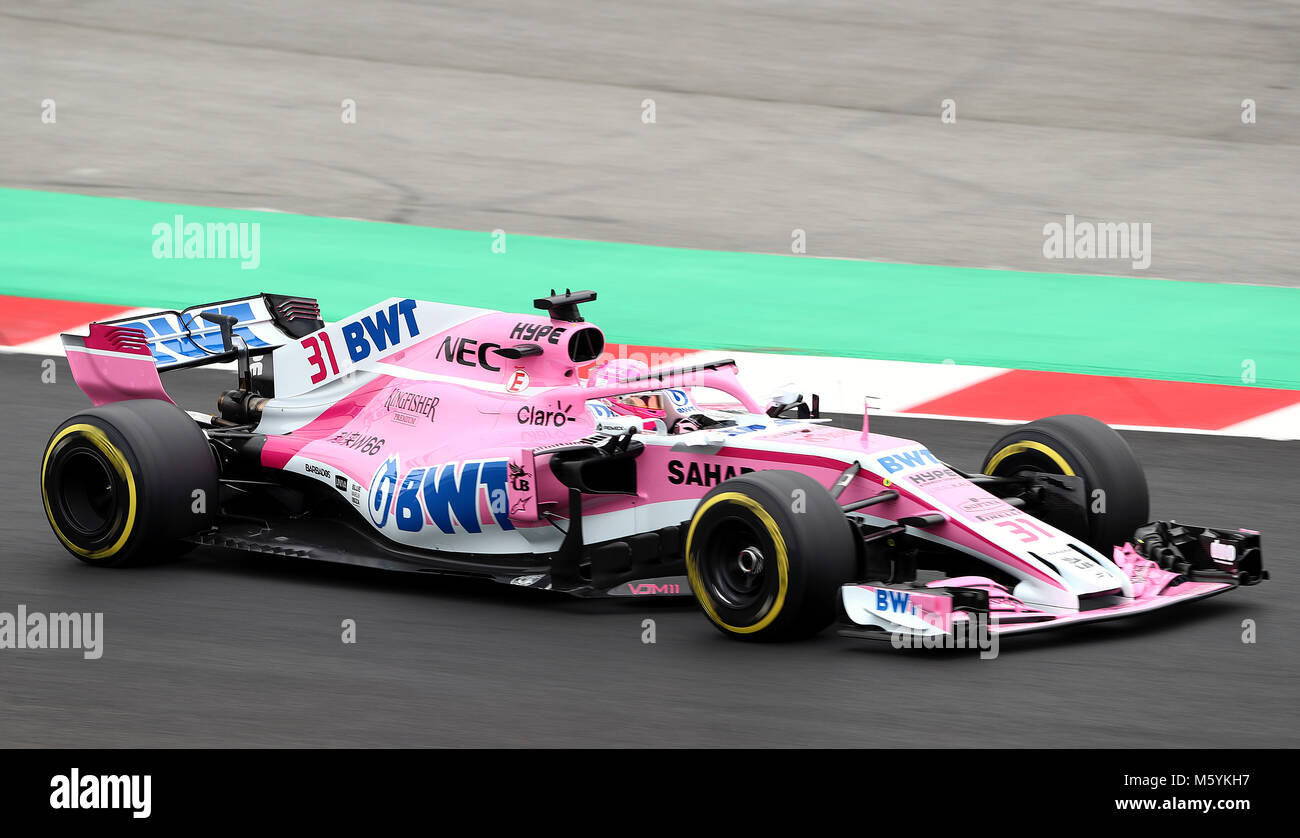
(1002, 604)
(934, 609)
(1186, 592)
(1148, 577)
(1151, 585)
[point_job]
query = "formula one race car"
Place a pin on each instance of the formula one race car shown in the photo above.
(442, 439)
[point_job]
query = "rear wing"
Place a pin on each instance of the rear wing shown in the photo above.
(120, 359)
(178, 339)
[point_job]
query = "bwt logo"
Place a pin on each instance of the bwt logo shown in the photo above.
(895, 463)
(380, 330)
(455, 495)
(895, 601)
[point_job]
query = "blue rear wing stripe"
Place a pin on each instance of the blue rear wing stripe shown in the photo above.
(182, 337)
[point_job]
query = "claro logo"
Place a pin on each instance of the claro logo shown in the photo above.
(557, 418)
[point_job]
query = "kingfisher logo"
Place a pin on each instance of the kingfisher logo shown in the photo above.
(381, 330)
(411, 405)
(454, 497)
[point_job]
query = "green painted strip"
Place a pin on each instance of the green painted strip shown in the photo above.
(75, 247)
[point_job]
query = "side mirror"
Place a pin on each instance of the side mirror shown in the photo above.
(784, 400)
(781, 401)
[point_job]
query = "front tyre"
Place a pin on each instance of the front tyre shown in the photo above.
(1115, 501)
(766, 554)
(124, 483)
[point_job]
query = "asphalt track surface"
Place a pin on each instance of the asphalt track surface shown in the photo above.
(223, 650)
(822, 116)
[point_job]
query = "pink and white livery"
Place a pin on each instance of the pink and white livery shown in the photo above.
(437, 438)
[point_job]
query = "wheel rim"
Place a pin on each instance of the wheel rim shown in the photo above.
(735, 566)
(88, 496)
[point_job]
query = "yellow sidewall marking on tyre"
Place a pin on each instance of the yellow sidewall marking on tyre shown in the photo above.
(1027, 445)
(782, 562)
(100, 440)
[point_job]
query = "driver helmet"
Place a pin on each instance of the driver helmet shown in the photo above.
(644, 405)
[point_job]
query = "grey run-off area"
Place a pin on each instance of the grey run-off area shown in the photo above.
(769, 117)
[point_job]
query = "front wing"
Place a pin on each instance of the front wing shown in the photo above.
(1171, 564)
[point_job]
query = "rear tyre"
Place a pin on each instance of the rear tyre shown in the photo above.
(766, 554)
(1115, 487)
(124, 483)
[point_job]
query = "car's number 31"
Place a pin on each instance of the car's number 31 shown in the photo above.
(316, 360)
(1022, 527)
